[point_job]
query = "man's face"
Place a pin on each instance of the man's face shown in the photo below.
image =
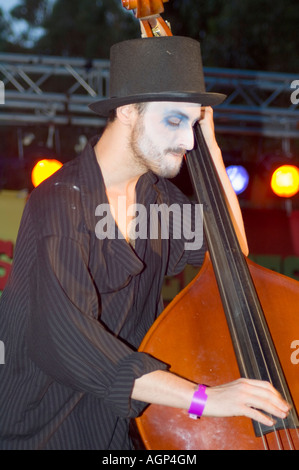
(163, 133)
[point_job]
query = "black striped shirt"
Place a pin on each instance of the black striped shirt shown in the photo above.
(75, 311)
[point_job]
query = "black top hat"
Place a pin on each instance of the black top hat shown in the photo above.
(167, 68)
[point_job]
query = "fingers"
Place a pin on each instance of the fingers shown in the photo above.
(244, 397)
(206, 116)
(207, 126)
(261, 397)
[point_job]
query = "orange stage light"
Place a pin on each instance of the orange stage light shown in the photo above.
(43, 169)
(285, 181)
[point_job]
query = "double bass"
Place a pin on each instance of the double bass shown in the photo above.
(235, 319)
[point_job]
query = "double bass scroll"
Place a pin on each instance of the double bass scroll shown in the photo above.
(148, 13)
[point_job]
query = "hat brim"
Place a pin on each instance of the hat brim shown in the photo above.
(103, 107)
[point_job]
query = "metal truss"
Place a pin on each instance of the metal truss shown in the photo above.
(258, 103)
(57, 90)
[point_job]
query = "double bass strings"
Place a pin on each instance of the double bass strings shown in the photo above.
(215, 206)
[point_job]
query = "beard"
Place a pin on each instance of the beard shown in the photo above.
(147, 156)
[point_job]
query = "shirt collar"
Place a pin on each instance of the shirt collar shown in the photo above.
(93, 193)
(93, 186)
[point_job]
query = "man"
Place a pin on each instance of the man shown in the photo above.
(80, 299)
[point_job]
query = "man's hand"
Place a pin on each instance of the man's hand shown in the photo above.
(246, 397)
(208, 128)
(242, 397)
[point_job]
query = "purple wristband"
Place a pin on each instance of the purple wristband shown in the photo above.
(198, 402)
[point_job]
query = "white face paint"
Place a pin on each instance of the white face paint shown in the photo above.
(162, 135)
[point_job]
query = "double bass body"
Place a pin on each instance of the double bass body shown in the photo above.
(193, 337)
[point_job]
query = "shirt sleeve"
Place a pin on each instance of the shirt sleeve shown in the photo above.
(65, 336)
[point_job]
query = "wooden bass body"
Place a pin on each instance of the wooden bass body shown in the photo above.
(192, 336)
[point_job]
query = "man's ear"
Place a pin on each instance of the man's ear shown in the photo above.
(126, 114)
